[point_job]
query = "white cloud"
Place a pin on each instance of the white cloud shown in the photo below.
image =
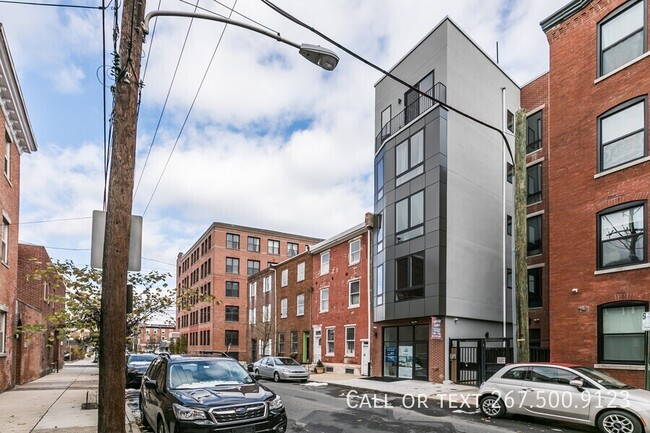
(239, 159)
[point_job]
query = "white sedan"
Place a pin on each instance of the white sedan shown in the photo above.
(566, 393)
(280, 368)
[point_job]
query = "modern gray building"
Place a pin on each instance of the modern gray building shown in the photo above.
(442, 252)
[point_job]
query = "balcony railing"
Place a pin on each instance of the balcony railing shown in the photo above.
(411, 111)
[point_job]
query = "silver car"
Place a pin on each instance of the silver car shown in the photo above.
(566, 393)
(280, 368)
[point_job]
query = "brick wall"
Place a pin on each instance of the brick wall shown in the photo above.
(576, 101)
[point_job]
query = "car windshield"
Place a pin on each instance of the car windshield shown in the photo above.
(603, 379)
(207, 374)
(145, 357)
(285, 361)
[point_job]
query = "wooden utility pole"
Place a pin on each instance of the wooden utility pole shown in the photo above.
(521, 240)
(112, 343)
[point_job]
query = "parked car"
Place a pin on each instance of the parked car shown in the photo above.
(280, 368)
(136, 365)
(567, 393)
(207, 395)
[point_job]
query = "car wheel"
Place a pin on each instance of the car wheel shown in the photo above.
(492, 406)
(143, 418)
(618, 421)
(161, 426)
(276, 377)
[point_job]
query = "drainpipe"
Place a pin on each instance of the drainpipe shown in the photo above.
(275, 309)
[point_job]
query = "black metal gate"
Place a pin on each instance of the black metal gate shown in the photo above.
(474, 360)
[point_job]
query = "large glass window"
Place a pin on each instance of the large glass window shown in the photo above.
(621, 236)
(385, 122)
(232, 338)
(622, 134)
(292, 249)
(253, 244)
(253, 267)
(534, 183)
(535, 287)
(622, 36)
(534, 235)
(409, 217)
(409, 272)
(232, 313)
(620, 337)
(232, 241)
(415, 103)
(232, 265)
(534, 132)
(379, 281)
(273, 247)
(409, 157)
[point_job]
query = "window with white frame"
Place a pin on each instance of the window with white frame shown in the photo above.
(267, 283)
(300, 305)
(294, 341)
(251, 316)
(266, 313)
(252, 289)
(292, 249)
(329, 341)
(280, 341)
(621, 134)
(349, 340)
(355, 252)
(621, 36)
(5, 241)
(285, 277)
(273, 247)
(3, 327)
(355, 294)
(284, 308)
(300, 271)
(324, 299)
(325, 263)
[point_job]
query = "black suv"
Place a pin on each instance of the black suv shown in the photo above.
(207, 395)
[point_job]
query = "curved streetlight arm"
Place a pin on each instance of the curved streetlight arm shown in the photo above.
(316, 54)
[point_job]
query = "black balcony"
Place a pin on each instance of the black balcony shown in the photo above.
(411, 111)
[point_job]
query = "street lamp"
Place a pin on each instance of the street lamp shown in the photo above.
(323, 57)
(119, 204)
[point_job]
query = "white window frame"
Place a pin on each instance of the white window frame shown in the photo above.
(300, 271)
(324, 262)
(324, 305)
(4, 252)
(267, 283)
(328, 341)
(348, 341)
(350, 304)
(355, 252)
(252, 289)
(300, 305)
(285, 277)
(7, 168)
(266, 313)
(284, 308)
(251, 316)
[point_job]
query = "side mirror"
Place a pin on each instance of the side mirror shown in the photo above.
(578, 383)
(150, 384)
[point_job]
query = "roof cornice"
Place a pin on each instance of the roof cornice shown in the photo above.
(563, 14)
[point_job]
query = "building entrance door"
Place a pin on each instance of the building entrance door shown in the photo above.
(365, 357)
(305, 347)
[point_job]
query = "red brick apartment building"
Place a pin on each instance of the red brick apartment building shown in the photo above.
(18, 139)
(219, 264)
(534, 99)
(37, 353)
(340, 305)
(279, 313)
(599, 183)
(153, 337)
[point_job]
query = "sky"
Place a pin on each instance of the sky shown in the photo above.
(269, 140)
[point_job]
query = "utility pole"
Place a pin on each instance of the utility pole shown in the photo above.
(112, 342)
(521, 240)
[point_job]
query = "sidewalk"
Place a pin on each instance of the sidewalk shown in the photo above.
(53, 403)
(455, 395)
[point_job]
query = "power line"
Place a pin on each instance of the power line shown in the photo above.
(388, 74)
(196, 95)
(56, 220)
(27, 3)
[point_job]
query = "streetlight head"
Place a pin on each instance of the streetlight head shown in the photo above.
(323, 57)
